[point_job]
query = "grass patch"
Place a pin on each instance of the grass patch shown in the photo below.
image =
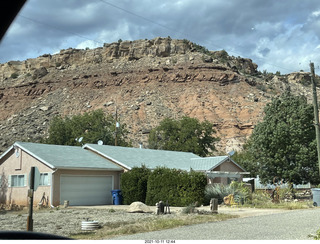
(152, 224)
(281, 205)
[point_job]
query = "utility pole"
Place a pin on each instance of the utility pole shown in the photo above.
(116, 131)
(316, 110)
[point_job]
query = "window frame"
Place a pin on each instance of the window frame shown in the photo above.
(21, 182)
(42, 179)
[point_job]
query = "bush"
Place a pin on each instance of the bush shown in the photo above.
(261, 198)
(134, 185)
(196, 183)
(220, 191)
(162, 186)
(189, 209)
(178, 187)
(14, 75)
(316, 236)
(241, 191)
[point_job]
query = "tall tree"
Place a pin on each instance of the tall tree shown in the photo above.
(246, 160)
(90, 127)
(186, 135)
(283, 145)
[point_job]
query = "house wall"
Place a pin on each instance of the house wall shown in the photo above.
(56, 179)
(227, 166)
(12, 165)
(21, 165)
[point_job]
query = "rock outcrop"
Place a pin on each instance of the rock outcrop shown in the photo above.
(146, 80)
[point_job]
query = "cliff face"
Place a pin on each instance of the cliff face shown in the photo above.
(147, 80)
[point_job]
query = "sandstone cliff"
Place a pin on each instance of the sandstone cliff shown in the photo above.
(147, 80)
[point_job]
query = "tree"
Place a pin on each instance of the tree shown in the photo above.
(246, 160)
(186, 135)
(283, 145)
(86, 128)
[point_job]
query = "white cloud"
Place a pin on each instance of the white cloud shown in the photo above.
(272, 33)
(87, 44)
(315, 14)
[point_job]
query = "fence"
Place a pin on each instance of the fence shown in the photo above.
(258, 185)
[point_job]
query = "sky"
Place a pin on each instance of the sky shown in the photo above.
(277, 35)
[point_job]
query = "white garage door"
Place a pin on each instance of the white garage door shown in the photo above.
(86, 190)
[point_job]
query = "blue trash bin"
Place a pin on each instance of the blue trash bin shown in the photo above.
(116, 197)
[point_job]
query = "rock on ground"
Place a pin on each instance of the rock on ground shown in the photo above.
(138, 207)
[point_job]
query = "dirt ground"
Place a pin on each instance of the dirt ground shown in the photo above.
(239, 211)
(66, 221)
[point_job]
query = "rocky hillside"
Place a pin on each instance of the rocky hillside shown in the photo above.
(146, 80)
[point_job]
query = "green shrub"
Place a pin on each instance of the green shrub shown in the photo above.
(286, 193)
(316, 236)
(14, 75)
(241, 191)
(162, 186)
(189, 209)
(238, 189)
(134, 185)
(178, 187)
(218, 191)
(196, 183)
(261, 198)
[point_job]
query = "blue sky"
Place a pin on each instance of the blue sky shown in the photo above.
(277, 35)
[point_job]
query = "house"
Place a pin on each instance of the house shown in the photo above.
(220, 169)
(66, 173)
(86, 175)
(128, 157)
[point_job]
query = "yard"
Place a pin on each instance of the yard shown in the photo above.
(115, 220)
(67, 221)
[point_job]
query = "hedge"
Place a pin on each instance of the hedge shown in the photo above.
(134, 185)
(178, 187)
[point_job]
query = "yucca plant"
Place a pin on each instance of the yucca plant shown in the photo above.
(189, 209)
(218, 191)
(242, 193)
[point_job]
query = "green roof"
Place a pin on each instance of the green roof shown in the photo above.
(207, 164)
(104, 157)
(130, 157)
(69, 157)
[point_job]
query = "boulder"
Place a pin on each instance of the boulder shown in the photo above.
(138, 207)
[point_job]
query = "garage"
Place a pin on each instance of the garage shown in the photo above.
(86, 190)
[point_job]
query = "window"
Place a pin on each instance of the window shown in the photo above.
(44, 179)
(17, 180)
(230, 179)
